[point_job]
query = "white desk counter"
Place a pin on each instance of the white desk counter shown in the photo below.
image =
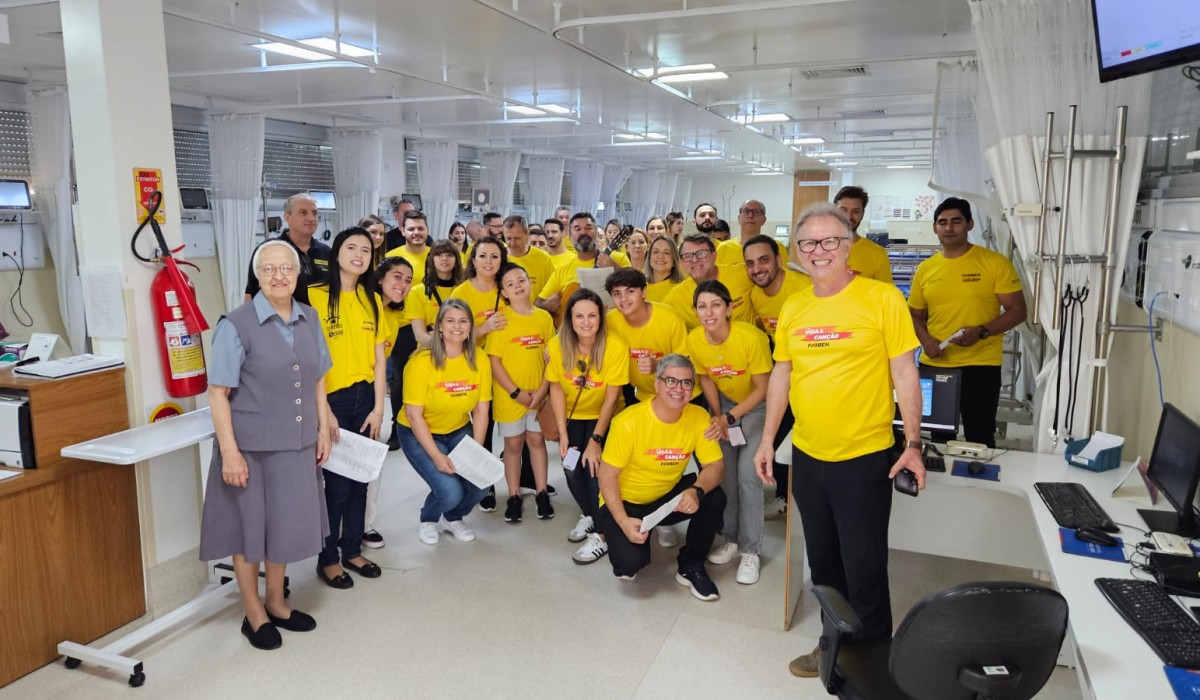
(1006, 522)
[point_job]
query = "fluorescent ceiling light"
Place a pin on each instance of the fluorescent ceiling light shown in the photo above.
(521, 109)
(653, 135)
(666, 70)
(698, 158)
(555, 109)
(691, 77)
(320, 42)
(804, 140)
(826, 154)
(900, 167)
(762, 118)
(639, 143)
(844, 163)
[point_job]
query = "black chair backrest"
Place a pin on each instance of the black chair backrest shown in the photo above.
(994, 623)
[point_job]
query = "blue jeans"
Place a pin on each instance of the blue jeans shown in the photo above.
(450, 495)
(346, 499)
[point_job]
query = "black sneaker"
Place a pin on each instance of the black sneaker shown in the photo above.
(512, 511)
(551, 491)
(696, 578)
(488, 504)
(545, 511)
(372, 539)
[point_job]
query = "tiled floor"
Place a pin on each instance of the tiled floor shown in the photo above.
(508, 615)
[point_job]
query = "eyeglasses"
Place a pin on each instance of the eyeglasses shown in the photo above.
(287, 270)
(808, 245)
(672, 382)
(695, 255)
(754, 212)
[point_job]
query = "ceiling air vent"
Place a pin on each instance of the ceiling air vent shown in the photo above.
(863, 113)
(840, 72)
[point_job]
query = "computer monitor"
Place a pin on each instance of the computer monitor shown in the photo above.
(193, 197)
(415, 199)
(14, 194)
(1175, 469)
(324, 199)
(1136, 37)
(939, 399)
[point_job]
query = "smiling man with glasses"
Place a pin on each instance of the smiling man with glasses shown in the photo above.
(648, 448)
(840, 347)
(699, 255)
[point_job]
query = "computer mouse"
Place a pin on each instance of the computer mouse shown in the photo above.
(906, 482)
(976, 468)
(1095, 535)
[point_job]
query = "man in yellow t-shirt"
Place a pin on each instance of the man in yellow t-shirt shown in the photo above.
(968, 297)
(840, 347)
(751, 217)
(773, 284)
(867, 258)
(698, 253)
(536, 262)
(649, 446)
(651, 331)
(565, 279)
(416, 242)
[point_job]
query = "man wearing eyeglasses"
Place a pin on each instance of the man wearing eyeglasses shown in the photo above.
(751, 217)
(300, 215)
(840, 347)
(699, 255)
(649, 445)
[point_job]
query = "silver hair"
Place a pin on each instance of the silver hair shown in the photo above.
(273, 243)
(818, 210)
(287, 203)
(674, 360)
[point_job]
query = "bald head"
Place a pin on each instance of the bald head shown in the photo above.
(751, 217)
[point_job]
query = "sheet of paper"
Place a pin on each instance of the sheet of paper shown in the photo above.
(1100, 441)
(593, 278)
(6, 474)
(660, 514)
(476, 464)
(356, 457)
(104, 301)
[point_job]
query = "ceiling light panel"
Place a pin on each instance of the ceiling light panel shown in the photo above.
(523, 110)
(761, 118)
(320, 42)
(667, 70)
(691, 77)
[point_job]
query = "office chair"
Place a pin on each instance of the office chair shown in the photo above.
(993, 640)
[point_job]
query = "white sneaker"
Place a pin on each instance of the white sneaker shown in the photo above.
(591, 550)
(429, 533)
(774, 508)
(459, 529)
(582, 529)
(723, 554)
(748, 569)
(667, 536)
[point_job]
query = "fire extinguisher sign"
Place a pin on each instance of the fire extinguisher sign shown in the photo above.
(147, 181)
(184, 352)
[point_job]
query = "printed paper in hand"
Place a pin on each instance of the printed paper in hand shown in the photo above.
(660, 514)
(476, 464)
(356, 457)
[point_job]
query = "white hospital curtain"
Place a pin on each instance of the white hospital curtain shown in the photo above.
(587, 184)
(437, 168)
(665, 199)
(641, 193)
(683, 195)
(615, 177)
(500, 176)
(235, 147)
(545, 186)
(357, 168)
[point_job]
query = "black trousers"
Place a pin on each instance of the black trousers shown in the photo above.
(405, 345)
(845, 508)
(584, 487)
(628, 558)
(778, 469)
(979, 398)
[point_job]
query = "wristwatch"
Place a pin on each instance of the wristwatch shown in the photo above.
(914, 443)
(984, 333)
(699, 491)
(730, 419)
(597, 438)
(514, 393)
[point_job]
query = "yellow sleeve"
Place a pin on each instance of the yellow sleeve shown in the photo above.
(414, 305)
(418, 373)
(707, 451)
(898, 334)
(493, 345)
(616, 362)
(916, 295)
(554, 368)
(485, 377)
(1007, 279)
(782, 352)
(618, 447)
(382, 326)
(695, 340)
(885, 267)
(553, 286)
(679, 337)
(759, 352)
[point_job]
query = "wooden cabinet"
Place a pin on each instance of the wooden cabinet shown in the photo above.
(71, 567)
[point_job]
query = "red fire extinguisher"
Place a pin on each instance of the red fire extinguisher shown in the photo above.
(178, 321)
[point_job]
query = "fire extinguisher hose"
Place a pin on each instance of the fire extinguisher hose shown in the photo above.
(192, 316)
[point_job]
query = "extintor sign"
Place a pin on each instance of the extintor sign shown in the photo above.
(146, 182)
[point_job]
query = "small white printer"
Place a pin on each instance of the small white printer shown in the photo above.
(16, 433)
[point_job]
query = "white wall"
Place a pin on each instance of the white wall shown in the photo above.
(906, 186)
(728, 191)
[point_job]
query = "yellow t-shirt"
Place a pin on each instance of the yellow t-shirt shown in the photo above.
(730, 253)
(768, 308)
(483, 304)
(419, 305)
(538, 266)
(658, 291)
(521, 347)
(614, 371)
(620, 257)
(663, 334)
(448, 395)
(417, 260)
(869, 259)
(651, 455)
(960, 292)
(561, 258)
(393, 320)
(565, 278)
(840, 348)
(352, 337)
(732, 363)
(735, 280)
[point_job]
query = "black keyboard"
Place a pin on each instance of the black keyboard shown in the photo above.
(1172, 633)
(1072, 506)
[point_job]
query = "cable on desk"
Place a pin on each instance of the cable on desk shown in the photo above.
(1132, 527)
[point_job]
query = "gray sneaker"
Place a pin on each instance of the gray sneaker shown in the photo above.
(807, 666)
